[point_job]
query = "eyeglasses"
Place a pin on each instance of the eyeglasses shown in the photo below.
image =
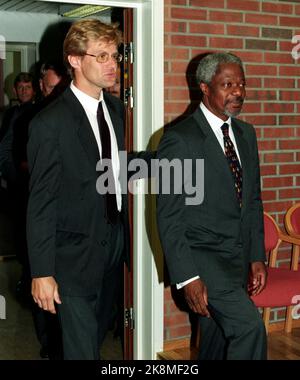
(104, 57)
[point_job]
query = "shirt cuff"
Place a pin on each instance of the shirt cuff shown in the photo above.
(182, 284)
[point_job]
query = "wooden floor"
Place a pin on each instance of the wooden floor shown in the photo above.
(281, 346)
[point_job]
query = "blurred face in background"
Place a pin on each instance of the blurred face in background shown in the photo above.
(24, 92)
(48, 82)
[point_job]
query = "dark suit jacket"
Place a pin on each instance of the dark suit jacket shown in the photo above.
(214, 240)
(66, 226)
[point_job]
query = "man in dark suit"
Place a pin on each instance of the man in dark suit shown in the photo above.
(215, 249)
(76, 236)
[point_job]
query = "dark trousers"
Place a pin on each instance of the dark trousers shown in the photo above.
(85, 320)
(235, 330)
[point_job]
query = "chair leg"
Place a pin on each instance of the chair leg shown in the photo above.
(288, 319)
(266, 317)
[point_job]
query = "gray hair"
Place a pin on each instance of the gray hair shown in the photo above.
(209, 65)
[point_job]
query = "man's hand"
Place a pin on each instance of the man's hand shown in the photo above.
(195, 294)
(258, 278)
(45, 291)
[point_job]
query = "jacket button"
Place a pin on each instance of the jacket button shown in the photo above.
(103, 243)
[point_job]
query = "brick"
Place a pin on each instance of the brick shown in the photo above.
(268, 195)
(261, 44)
(278, 157)
(272, 7)
(203, 28)
(225, 43)
(261, 19)
(243, 5)
(279, 107)
(175, 81)
(297, 9)
(240, 30)
(289, 144)
(175, 108)
(173, 53)
(179, 2)
(178, 67)
(205, 3)
(267, 170)
(289, 71)
(179, 332)
(225, 16)
(261, 70)
(289, 95)
(289, 120)
(187, 40)
(289, 169)
(275, 182)
(278, 132)
(279, 58)
(261, 120)
(264, 145)
(252, 108)
(261, 95)
(276, 206)
(285, 46)
(173, 26)
(278, 83)
(250, 56)
(188, 14)
(289, 193)
(289, 21)
(182, 94)
(176, 319)
(253, 82)
(276, 33)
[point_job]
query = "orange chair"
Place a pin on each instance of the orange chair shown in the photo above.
(283, 284)
(292, 221)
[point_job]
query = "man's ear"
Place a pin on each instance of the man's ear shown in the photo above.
(204, 88)
(74, 61)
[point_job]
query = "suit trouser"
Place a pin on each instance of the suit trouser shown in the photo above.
(85, 319)
(235, 330)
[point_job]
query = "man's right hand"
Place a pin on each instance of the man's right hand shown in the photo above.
(195, 294)
(45, 291)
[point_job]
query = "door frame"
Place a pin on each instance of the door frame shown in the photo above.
(148, 119)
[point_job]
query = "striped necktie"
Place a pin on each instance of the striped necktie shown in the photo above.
(233, 162)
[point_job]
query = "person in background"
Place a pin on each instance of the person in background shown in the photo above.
(214, 249)
(53, 81)
(25, 93)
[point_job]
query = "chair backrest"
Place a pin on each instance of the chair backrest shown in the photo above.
(292, 220)
(271, 232)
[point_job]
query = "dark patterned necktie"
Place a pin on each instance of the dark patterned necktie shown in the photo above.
(233, 162)
(111, 201)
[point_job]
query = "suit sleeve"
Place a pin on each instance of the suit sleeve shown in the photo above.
(44, 168)
(257, 252)
(172, 212)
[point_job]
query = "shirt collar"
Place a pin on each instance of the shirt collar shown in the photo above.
(214, 121)
(88, 102)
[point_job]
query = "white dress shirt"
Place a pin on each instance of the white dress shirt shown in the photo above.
(215, 123)
(90, 106)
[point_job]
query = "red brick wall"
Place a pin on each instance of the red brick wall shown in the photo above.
(259, 32)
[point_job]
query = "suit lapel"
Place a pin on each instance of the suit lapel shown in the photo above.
(212, 148)
(117, 123)
(84, 130)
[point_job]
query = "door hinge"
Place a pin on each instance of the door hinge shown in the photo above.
(128, 97)
(129, 318)
(129, 53)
